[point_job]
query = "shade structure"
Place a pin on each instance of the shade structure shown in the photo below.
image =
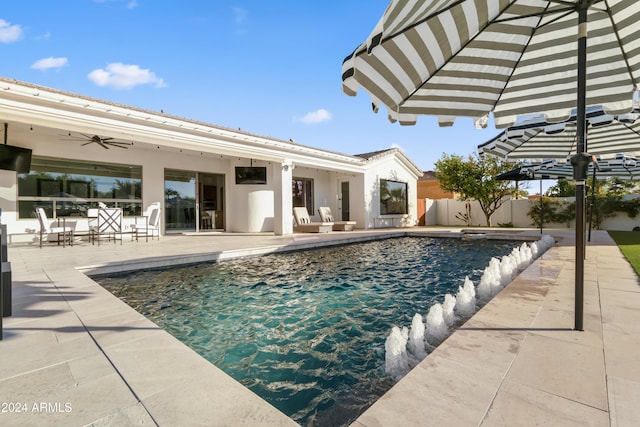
(523, 173)
(453, 58)
(537, 139)
(517, 174)
(623, 167)
(467, 58)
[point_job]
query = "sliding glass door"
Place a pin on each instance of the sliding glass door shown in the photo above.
(193, 201)
(179, 200)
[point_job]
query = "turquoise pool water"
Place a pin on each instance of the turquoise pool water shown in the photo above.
(306, 330)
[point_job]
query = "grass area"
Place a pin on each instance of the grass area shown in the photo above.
(629, 244)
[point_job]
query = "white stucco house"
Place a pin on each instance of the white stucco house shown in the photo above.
(86, 151)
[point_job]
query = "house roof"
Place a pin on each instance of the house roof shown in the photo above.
(380, 154)
(37, 105)
(428, 176)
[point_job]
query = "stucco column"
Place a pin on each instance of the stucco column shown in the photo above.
(283, 209)
(153, 188)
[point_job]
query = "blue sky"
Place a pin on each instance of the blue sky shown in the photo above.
(267, 67)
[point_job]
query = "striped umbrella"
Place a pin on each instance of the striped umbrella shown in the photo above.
(622, 167)
(453, 58)
(537, 139)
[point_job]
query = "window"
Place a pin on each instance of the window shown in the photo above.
(393, 197)
(70, 187)
(180, 200)
(302, 189)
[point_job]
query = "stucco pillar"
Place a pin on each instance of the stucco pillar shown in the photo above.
(153, 188)
(283, 215)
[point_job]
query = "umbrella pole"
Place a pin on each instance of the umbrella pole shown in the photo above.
(579, 167)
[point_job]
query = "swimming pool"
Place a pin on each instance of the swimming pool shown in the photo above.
(306, 330)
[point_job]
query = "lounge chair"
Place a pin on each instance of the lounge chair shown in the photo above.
(304, 224)
(326, 216)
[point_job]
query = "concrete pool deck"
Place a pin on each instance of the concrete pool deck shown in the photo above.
(73, 354)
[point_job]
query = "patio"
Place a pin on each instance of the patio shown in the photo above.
(73, 354)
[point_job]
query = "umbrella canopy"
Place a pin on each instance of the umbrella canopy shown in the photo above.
(453, 58)
(536, 139)
(623, 167)
(517, 174)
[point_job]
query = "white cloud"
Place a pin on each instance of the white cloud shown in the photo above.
(9, 33)
(48, 63)
(45, 36)
(240, 15)
(129, 4)
(123, 76)
(318, 116)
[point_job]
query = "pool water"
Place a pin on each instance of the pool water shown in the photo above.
(306, 330)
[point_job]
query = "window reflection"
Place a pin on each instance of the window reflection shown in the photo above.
(69, 187)
(302, 190)
(393, 197)
(180, 200)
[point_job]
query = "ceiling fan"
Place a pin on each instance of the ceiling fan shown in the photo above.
(103, 142)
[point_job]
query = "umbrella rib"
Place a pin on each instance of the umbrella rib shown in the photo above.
(377, 39)
(462, 48)
(575, 143)
(539, 15)
(564, 12)
(631, 129)
(572, 4)
(617, 34)
(515, 66)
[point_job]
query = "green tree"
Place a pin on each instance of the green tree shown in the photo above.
(604, 200)
(614, 186)
(553, 210)
(619, 187)
(473, 178)
(563, 188)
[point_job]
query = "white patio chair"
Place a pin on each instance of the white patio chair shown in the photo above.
(56, 234)
(109, 224)
(149, 224)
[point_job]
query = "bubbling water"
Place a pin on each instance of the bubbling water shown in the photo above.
(466, 299)
(416, 343)
(448, 308)
(436, 330)
(396, 359)
(405, 348)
